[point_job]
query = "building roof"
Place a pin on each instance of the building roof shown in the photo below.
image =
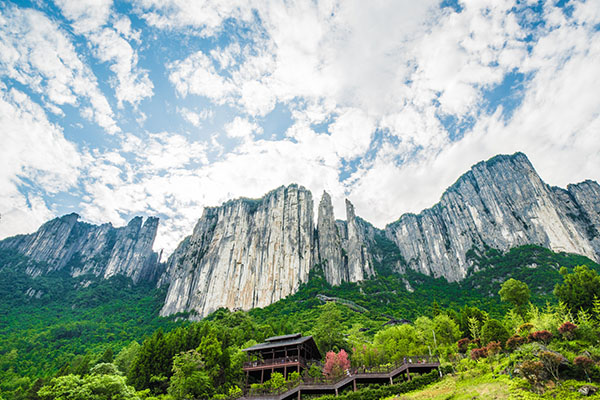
(283, 337)
(281, 341)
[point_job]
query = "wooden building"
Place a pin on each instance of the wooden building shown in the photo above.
(282, 354)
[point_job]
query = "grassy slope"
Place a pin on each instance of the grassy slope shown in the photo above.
(491, 387)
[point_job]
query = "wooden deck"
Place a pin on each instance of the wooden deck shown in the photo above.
(400, 371)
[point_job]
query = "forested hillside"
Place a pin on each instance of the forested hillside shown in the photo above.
(92, 333)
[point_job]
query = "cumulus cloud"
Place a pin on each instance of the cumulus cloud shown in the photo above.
(35, 52)
(110, 45)
(196, 118)
(384, 102)
(34, 154)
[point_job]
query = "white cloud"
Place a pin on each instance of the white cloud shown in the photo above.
(242, 128)
(32, 150)
(351, 133)
(110, 46)
(36, 53)
(357, 78)
(197, 75)
(196, 118)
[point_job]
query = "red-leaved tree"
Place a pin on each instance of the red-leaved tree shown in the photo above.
(336, 364)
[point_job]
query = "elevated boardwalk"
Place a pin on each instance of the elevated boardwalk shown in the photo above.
(399, 371)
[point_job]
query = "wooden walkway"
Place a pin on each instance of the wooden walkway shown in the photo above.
(399, 371)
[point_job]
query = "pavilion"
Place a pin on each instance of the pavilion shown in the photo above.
(284, 354)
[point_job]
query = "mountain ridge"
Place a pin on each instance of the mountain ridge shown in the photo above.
(250, 253)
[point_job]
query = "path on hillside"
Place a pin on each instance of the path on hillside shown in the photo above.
(400, 370)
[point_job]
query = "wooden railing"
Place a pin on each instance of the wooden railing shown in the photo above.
(351, 373)
(274, 362)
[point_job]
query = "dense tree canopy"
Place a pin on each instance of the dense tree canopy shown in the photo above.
(517, 293)
(579, 288)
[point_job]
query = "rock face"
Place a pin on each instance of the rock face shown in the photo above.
(341, 247)
(243, 254)
(81, 248)
(251, 253)
(500, 203)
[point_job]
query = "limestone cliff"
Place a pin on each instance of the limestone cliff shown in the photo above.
(243, 254)
(83, 248)
(250, 253)
(341, 246)
(500, 203)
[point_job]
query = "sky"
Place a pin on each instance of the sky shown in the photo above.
(113, 109)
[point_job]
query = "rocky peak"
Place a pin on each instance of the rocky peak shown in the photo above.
(500, 203)
(84, 248)
(243, 254)
(342, 251)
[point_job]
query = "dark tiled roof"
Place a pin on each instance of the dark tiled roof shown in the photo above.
(279, 343)
(284, 337)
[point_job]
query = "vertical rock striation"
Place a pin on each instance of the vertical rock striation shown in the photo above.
(243, 254)
(341, 247)
(500, 203)
(81, 248)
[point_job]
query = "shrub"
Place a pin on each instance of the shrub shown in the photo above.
(551, 363)
(532, 371)
(540, 336)
(567, 329)
(525, 329)
(476, 354)
(463, 345)
(493, 348)
(514, 341)
(494, 331)
(584, 363)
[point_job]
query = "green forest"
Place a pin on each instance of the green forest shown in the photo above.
(525, 323)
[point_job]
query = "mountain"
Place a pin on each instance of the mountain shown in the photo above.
(250, 253)
(80, 248)
(500, 203)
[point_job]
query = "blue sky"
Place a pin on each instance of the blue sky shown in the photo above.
(113, 109)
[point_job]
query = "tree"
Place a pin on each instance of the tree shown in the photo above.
(189, 380)
(494, 331)
(336, 364)
(470, 316)
(584, 363)
(579, 288)
(328, 329)
(567, 329)
(107, 356)
(105, 369)
(517, 293)
(90, 387)
(125, 358)
(532, 371)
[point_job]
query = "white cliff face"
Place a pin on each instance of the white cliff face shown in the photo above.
(342, 249)
(244, 254)
(81, 248)
(251, 253)
(500, 203)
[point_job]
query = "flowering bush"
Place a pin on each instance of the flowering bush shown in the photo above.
(336, 364)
